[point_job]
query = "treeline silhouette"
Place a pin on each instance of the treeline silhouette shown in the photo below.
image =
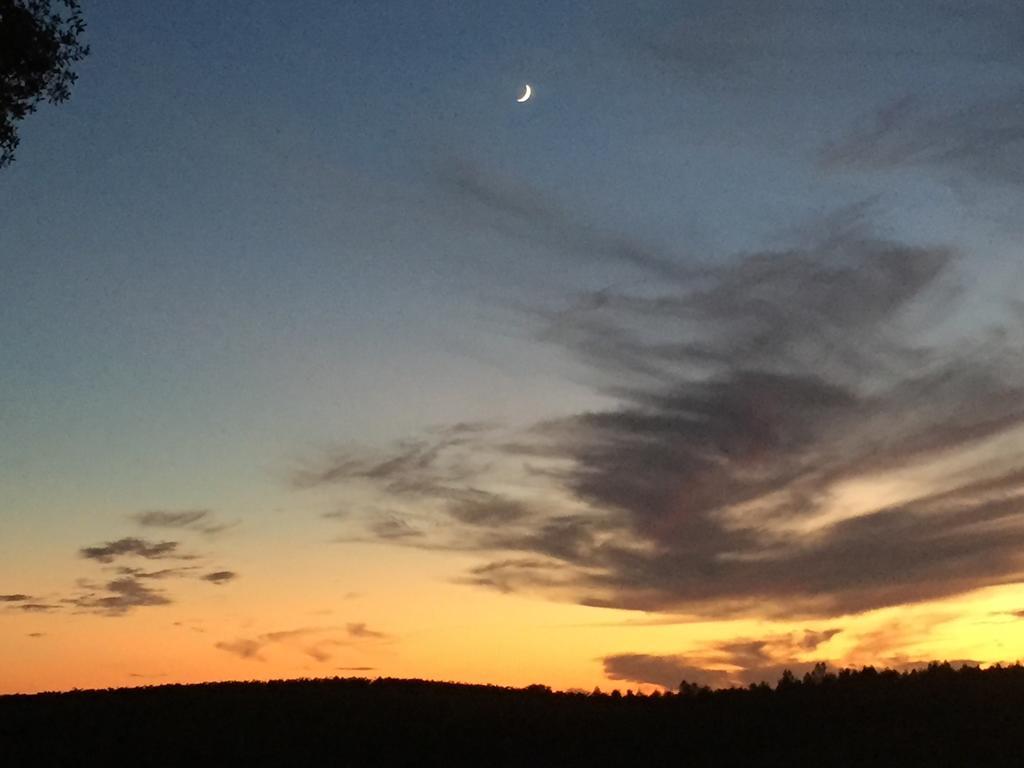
(938, 716)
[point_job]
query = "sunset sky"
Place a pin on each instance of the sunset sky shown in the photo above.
(321, 355)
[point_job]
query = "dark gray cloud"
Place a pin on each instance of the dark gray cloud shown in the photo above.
(37, 607)
(666, 671)
(219, 577)
(132, 546)
(982, 140)
(792, 375)
(36, 635)
(473, 506)
(747, 393)
(15, 598)
(132, 588)
(720, 665)
(120, 596)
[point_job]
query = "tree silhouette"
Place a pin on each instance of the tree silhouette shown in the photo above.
(936, 716)
(39, 41)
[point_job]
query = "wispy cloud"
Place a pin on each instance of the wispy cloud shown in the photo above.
(160, 518)
(316, 642)
(525, 214)
(38, 607)
(161, 573)
(415, 466)
(133, 547)
(750, 395)
(219, 577)
(200, 520)
(983, 140)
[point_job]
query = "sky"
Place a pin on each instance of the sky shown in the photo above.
(322, 355)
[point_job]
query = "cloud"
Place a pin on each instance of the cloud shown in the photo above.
(289, 634)
(245, 648)
(162, 573)
(318, 652)
(360, 630)
(38, 607)
(748, 400)
(36, 635)
(983, 140)
(159, 518)
(220, 577)
(195, 627)
(973, 131)
(477, 507)
(132, 588)
(122, 595)
(524, 213)
(666, 671)
(812, 640)
(758, 404)
(416, 466)
(752, 42)
(190, 519)
(355, 669)
(737, 662)
(393, 527)
(513, 574)
(132, 546)
(315, 642)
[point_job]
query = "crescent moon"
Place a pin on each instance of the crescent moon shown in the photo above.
(526, 94)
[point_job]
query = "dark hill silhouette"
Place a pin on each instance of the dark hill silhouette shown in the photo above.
(939, 716)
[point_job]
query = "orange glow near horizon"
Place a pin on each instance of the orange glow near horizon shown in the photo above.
(418, 624)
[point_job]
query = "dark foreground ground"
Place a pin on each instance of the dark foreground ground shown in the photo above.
(938, 717)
